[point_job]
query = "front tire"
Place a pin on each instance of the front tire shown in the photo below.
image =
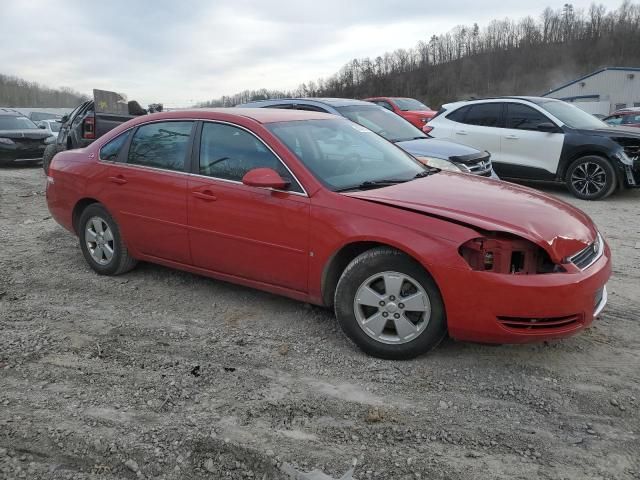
(591, 178)
(101, 243)
(389, 306)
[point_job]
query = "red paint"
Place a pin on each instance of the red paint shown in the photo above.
(282, 242)
(417, 118)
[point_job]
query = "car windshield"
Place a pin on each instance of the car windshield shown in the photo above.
(571, 115)
(344, 155)
(406, 104)
(10, 122)
(382, 121)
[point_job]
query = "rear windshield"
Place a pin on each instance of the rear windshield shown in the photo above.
(381, 121)
(37, 116)
(406, 104)
(10, 122)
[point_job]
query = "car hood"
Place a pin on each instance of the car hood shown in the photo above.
(432, 147)
(561, 229)
(32, 134)
(614, 132)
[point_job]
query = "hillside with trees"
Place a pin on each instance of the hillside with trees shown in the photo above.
(16, 92)
(506, 57)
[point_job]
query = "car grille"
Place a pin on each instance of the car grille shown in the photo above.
(481, 168)
(551, 323)
(587, 256)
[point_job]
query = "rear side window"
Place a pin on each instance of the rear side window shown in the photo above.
(523, 117)
(110, 151)
(484, 115)
(457, 115)
(161, 145)
(228, 152)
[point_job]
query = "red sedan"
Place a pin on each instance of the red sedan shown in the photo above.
(317, 208)
(413, 111)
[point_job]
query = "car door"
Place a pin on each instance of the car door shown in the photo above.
(144, 187)
(480, 128)
(247, 232)
(526, 151)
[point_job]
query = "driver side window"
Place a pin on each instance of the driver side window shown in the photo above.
(229, 152)
(523, 117)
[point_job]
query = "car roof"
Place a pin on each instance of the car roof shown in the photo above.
(536, 100)
(10, 112)
(332, 102)
(260, 115)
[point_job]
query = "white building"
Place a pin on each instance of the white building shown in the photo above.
(603, 91)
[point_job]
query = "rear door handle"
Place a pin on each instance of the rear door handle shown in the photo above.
(461, 132)
(205, 195)
(119, 179)
(512, 137)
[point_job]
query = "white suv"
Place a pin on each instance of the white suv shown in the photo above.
(537, 138)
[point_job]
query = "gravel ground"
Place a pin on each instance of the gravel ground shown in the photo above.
(164, 374)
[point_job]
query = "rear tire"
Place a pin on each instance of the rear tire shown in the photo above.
(389, 306)
(591, 178)
(101, 243)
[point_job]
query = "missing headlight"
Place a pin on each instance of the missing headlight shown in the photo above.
(504, 253)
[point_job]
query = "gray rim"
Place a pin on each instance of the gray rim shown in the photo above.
(589, 178)
(99, 240)
(392, 308)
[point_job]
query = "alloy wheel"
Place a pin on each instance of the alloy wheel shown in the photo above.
(99, 240)
(392, 307)
(589, 178)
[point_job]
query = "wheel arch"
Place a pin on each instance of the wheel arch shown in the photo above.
(337, 263)
(588, 150)
(79, 207)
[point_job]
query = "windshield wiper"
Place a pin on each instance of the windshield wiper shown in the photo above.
(387, 182)
(396, 140)
(373, 184)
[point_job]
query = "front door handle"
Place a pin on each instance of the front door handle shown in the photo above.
(205, 195)
(461, 132)
(512, 137)
(118, 179)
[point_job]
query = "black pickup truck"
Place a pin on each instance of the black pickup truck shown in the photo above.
(92, 119)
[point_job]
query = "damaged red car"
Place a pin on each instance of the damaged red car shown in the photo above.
(322, 210)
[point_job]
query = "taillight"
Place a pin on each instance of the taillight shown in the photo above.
(427, 129)
(89, 128)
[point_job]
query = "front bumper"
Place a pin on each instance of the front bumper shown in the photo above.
(503, 308)
(12, 155)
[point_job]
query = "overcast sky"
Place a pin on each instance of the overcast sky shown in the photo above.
(183, 51)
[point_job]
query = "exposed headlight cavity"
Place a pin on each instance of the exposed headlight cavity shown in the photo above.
(509, 254)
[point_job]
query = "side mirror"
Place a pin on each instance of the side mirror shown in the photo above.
(264, 178)
(42, 126)
(547, 127)
(64, 118)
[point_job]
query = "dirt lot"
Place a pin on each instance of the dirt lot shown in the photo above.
(164, 374)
